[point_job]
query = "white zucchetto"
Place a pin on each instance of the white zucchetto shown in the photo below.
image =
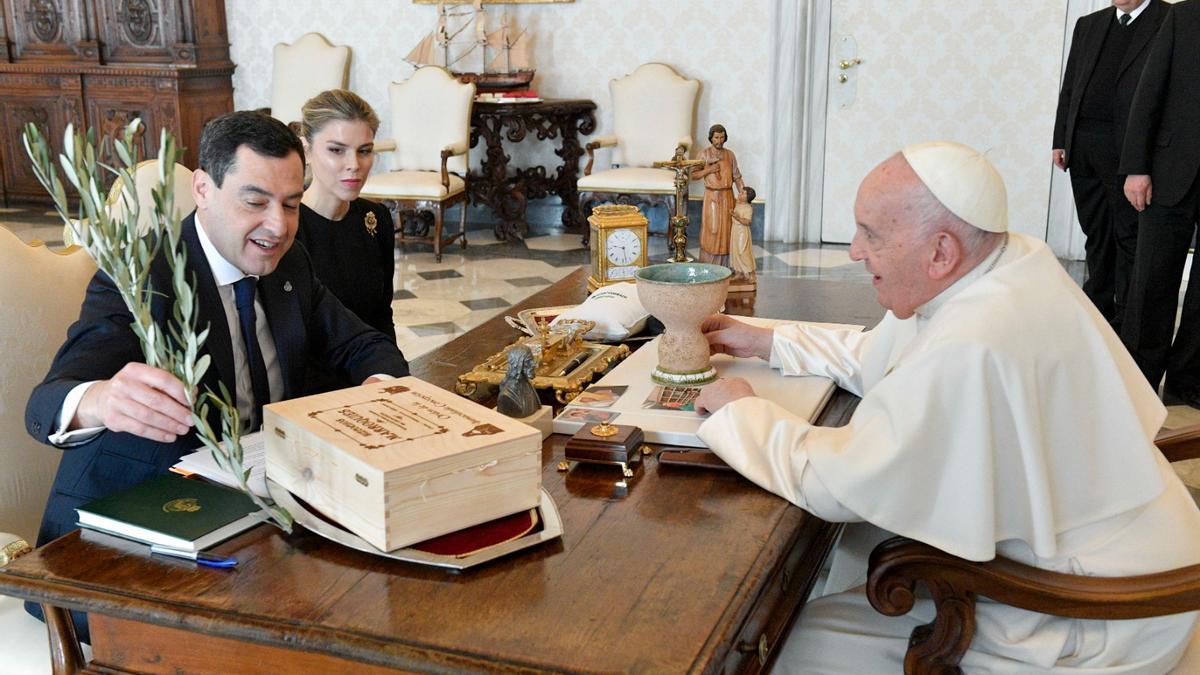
(963, 180)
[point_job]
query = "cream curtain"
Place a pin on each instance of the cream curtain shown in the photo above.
(799, 48)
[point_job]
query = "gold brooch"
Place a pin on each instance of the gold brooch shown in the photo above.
(371, 222)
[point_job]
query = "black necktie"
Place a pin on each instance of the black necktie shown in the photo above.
(1124, 19)
(243, 294)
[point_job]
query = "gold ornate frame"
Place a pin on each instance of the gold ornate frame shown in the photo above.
(566, 386)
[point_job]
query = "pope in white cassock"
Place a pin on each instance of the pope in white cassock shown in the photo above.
(1000, 415)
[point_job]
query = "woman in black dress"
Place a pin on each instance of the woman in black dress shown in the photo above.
(350, 240)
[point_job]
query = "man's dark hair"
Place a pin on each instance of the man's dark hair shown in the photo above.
(265, 135)
(714, 129)
(750, 193)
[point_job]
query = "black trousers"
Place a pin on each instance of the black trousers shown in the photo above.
(1109, 222)
(1164, 236)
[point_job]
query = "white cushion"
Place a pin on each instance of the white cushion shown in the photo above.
(24, 642)
(410, 185)
(652, 111)
(430, 111)
(40, 291)
(630, 180)
(616, 309)
(146, 178)
(1189, 664)
(303, 69)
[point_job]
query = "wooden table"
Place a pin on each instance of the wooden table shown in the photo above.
(690, 570)
(508, 193)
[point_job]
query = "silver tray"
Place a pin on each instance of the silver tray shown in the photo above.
(547, 512)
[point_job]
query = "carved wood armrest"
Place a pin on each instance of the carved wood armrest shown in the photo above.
(591, 147)
(898, 564)
(385, 145)
(449, 151)
(1179, 444)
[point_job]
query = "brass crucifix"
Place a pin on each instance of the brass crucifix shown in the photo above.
(682, 166)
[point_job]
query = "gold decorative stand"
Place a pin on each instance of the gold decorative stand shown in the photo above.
(565, 362)
(682, 166)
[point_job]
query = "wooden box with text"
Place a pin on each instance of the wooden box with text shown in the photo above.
(402, 461)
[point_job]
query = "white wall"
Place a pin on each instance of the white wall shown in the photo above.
(579, 47)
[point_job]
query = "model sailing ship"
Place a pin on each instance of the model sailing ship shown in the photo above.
(502, 56)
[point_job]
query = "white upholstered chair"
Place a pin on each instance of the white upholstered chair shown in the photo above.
(41, 292)
(146, 178)
(303, 69)
(431, 129)
(653, 112)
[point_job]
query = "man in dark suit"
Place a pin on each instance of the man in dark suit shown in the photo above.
(1108, 51)
(1161, 157)
(122, 421)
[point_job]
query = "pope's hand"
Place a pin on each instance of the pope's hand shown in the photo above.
(140, 399)
(1138, 190)
(373, 379)
(714, 396)
(727, 335)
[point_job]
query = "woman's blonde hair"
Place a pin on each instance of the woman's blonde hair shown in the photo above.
(332, 105)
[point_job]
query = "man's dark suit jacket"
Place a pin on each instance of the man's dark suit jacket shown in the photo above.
(1086, 42)
(1163, 139)
(307, 322)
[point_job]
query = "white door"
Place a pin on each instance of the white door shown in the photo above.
(985, 73)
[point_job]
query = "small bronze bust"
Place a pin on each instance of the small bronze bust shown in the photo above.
(518, 398)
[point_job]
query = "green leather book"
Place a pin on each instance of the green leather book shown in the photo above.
(179, 513)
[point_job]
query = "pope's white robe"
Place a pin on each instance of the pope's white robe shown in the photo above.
(1004, 418)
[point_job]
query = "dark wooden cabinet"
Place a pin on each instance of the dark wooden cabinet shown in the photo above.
(102, 63)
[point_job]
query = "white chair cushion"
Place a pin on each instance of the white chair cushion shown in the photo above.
(40, 291)
(630, 180)
(1190, 663)
(430, 111)
(411, 185)
(652, 111)
(146, 177)
(303, 69)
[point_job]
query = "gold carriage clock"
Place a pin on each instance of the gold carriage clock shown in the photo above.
(618, 234)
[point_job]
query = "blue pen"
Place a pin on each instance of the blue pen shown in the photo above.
(200, 557)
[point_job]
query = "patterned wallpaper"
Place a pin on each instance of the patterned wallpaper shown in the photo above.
(985, 73)
(579, 47)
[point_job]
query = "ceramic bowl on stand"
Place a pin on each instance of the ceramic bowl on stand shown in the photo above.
(681, 296)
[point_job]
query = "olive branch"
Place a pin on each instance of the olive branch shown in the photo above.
(125, 253)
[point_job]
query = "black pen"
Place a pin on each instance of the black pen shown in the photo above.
(574, 363)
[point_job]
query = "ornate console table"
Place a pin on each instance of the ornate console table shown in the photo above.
(507, 193)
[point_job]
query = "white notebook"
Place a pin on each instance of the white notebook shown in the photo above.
(802, 396)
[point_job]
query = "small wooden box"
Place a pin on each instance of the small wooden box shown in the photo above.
(402, 461)
(623, 447)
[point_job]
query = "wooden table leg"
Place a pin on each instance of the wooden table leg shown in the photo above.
(66, 656)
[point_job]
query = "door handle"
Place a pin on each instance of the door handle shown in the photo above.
(846, 64)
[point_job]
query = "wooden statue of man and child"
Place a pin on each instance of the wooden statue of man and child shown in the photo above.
(725, 224)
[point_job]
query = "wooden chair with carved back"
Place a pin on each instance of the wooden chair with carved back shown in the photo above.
(899, 564)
